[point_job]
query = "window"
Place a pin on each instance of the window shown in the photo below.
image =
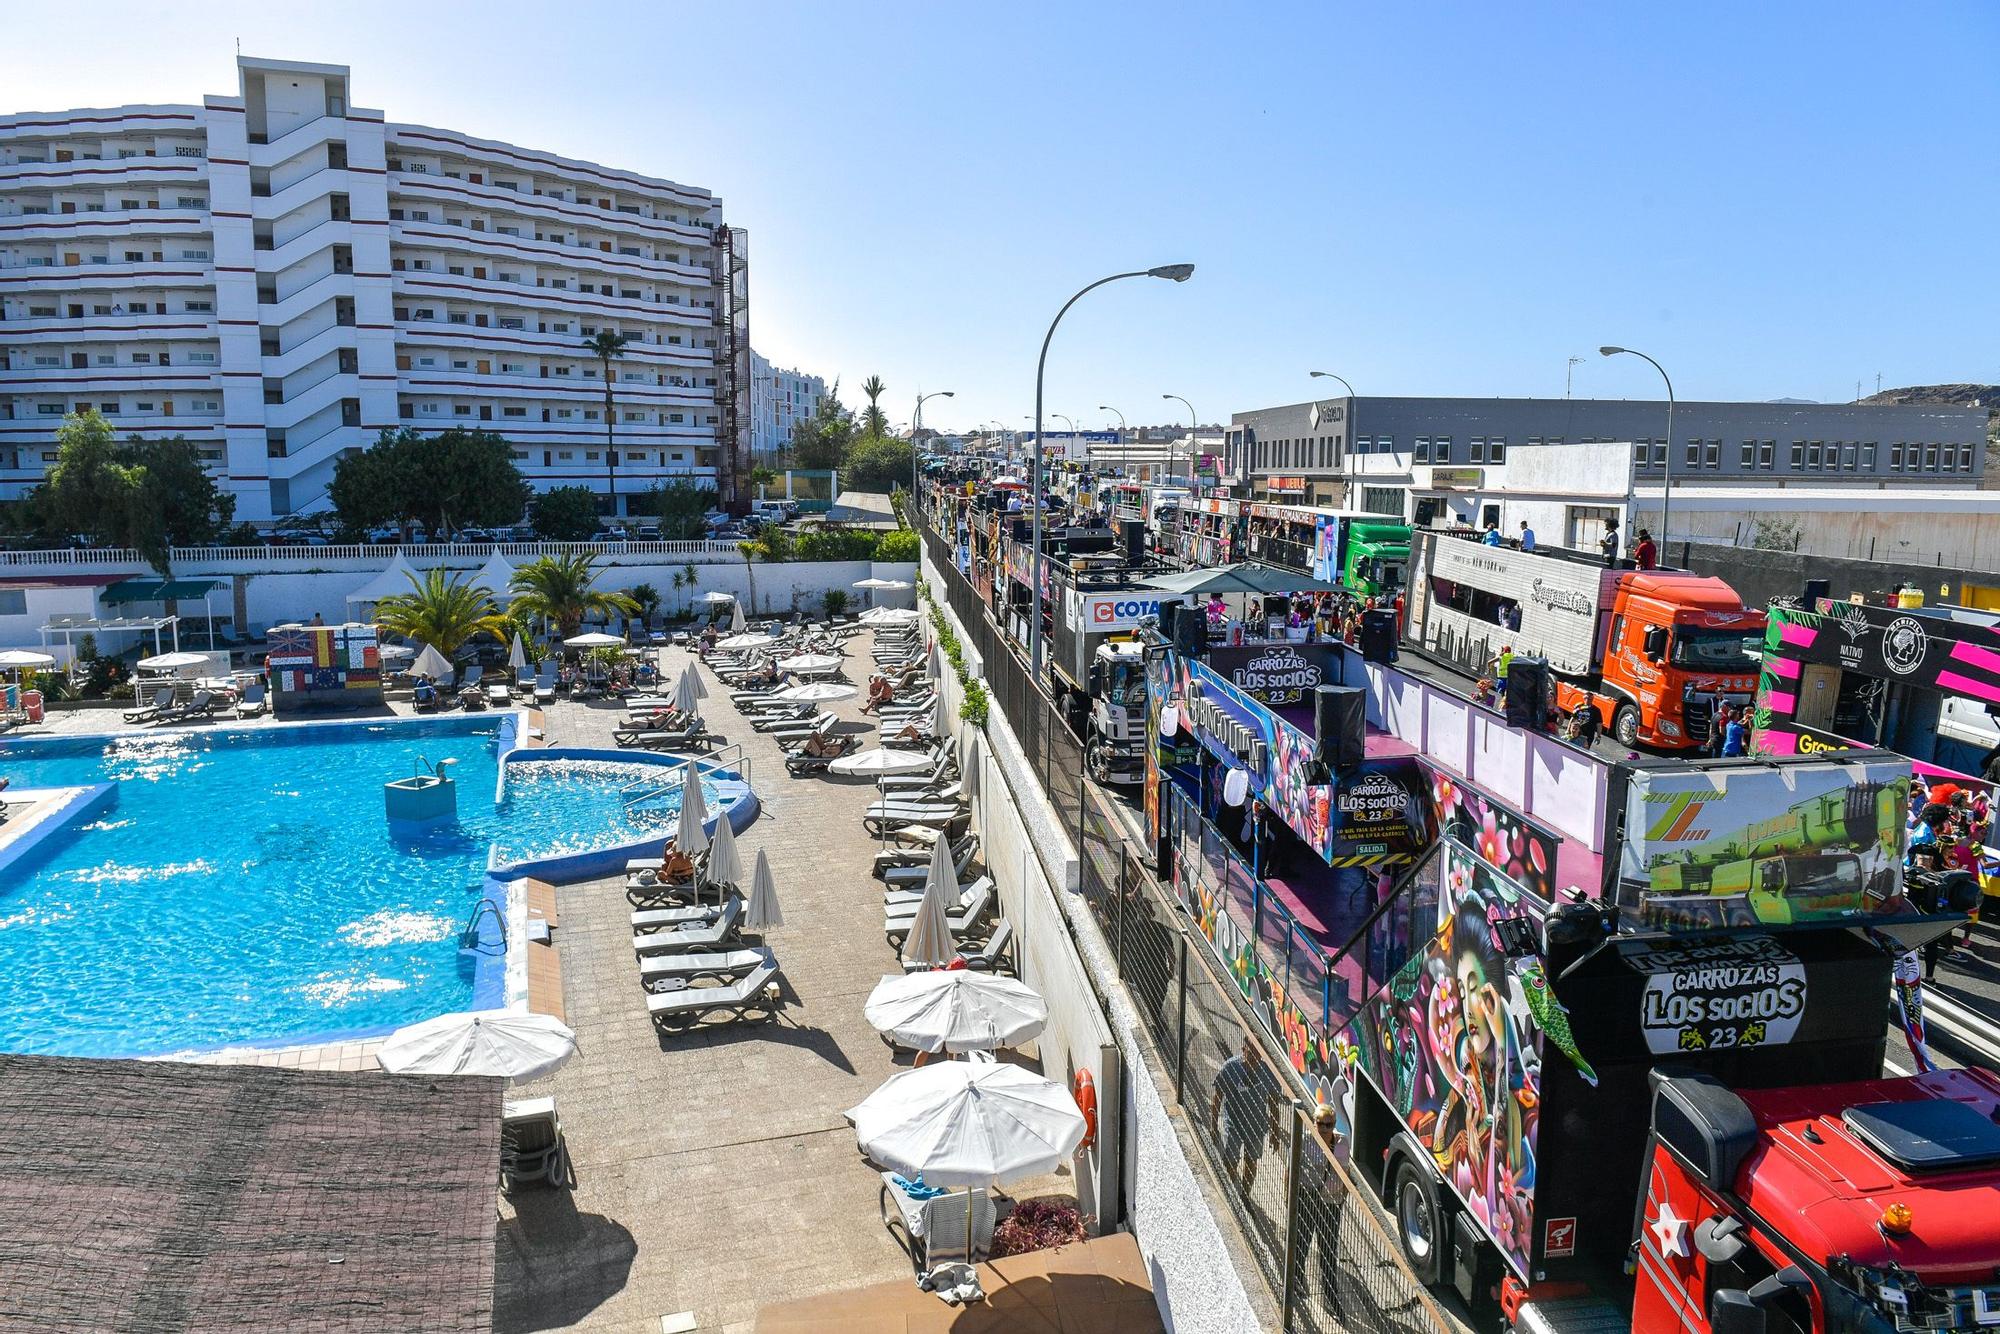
(207, 405)
(1496, 450)
(1812, 454)
(145, 407)
(200, 307)
(1849, 454)
(1642, 453)
(1441, 449)
(49, 409)
(1896, 457)
(1799, 453)
(1965, 458)
(1748, 455)
(202, 358)
(1478, 447)
(1767, 454)
(1423, 454)
(1930, 458)
(513, 412)
(1694, 453)
(1659, 453)
(1712, 455)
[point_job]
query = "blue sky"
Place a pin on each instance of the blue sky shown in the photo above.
(1771, 199)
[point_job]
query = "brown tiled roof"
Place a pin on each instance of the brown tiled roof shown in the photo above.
(158, 1196)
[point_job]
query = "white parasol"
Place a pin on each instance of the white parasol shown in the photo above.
(517, 657)
(810, 664)
(879, 762)
(22, 657)
(930, 940)
(432, 663)
(715, 598)
(816, 691)
(955, 1009)
(687, 691)
(396, 652)
(880, 583)
(762, 911)
(594, 639)
(173, 662)
(968, 1123)
(725, 867)
(511, 1044)
(691, 837)
(736, 621)
(736, 643)
(889, 615)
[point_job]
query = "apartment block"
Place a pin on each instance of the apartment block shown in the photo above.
(278, 275)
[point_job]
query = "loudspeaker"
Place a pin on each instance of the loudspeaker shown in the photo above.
(1527, 693)
(1815, 590)
(1427, 511)
(1132, 539)
(1378, 634)
(1340, 717)
(1187, 626)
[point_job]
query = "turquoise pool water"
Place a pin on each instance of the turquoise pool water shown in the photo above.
(245, 887)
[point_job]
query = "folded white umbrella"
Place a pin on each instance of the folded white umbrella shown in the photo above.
(930, 940)
(809, 664)
(432, 663)
(736, 618)
(700, 686)
(955, 1009)
(762, 912)
(880, 761)
(594, 639)
(968, 768)
(968, 1123)
(687, 692)
(22, 657)
(816, 691)
(725, 866)
(511, 1044)
(735, 642)
(517, 657)
(691, 837)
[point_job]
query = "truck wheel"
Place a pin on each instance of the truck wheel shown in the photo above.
(1625, 725)
(1420, 1223)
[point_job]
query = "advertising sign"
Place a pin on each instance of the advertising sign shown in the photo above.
(1378, 809)
(1557, 601)
(1110, 613)
(1727, 991)
(1451, 479)
(1805, 841)
(1285, 485)
(1277, 673)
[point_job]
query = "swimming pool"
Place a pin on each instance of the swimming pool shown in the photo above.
(243, 886)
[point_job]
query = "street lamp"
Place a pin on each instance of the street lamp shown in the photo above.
(916, 425)
(1329, 375)
(1123, 460)
(1667, 474)
(1194, 426)
(1069, 422)
(1179, 273)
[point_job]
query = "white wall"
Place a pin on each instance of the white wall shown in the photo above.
(25, 631)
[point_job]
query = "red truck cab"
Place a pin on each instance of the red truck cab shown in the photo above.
(1675, 646)
(1864, 1206)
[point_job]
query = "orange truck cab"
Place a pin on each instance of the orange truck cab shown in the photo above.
(1675, 646)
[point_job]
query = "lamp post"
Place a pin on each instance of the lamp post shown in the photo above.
(916, 425)
(1329, 375)
(1667, 467)
(1069, 422)
(1194, 425)
(1123, 459)
(1179, 273)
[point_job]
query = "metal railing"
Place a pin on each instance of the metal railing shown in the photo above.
(701, 552)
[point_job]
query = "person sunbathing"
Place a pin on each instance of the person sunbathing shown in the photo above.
(880, 692)
(824, 747)
(913, 731)
(676, 866)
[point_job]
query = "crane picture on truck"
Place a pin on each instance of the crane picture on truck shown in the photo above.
(1590, 1123)
(1648, 653)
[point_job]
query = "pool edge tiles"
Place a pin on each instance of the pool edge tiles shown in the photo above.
(55, 811)
(734, 799)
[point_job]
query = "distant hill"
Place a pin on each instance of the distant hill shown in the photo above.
(1941, 395)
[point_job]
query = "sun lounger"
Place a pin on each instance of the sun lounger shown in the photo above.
(694, 936)
(545, 682)
(686, 967)
(941, 1229)
(942, 814)
(903, 902)
(917, 856)
(797, 731)
(799, 714)
(822, 727)
(671, 919)
(252, 703)
(989, 956)
(697, 737)
(799, 763)
(163, 699)
(745, 996)
(498, 695)
(194, 710)
(896, 929)
(531, 1144)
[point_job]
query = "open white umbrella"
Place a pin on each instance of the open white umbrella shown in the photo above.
(514, 1045)
(816, 691)
(691, 837)
(715, 598)
(396, 652)
(889, 615)
(955, 1009)
(22, 657)
(736, 643)
(725, 866)
(879, 762)
(968, 1123)
(880, 583)
(517, 657)
(930, 940)
(432, 663)
(762, 912)
(594, 639)
(173, 662)
(810, 664)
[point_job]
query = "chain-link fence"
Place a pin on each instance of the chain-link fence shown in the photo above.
(1301, 1208)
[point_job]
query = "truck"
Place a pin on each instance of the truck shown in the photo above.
(1362, 551)
(1097, 671)
(1579, 1120)
(1646, 654)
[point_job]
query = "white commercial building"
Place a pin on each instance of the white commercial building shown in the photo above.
(279, 275)
(779, 398)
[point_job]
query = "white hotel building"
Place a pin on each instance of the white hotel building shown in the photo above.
(279, 275)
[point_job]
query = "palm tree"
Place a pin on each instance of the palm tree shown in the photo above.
(873, 422)
(607, 345)
(558, 589)
(442, 611)
(647, 599)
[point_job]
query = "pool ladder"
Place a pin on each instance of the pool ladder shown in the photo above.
(468, 939)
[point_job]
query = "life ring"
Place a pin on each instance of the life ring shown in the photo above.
(1084, 1089)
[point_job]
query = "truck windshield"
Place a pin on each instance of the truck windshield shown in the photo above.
(1125, 685)
(1716, 650)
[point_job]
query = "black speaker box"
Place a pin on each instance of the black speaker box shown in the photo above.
(1190, 629)
(1378, 634)
(1340, 717)
(1527, 693)
(1815, 590)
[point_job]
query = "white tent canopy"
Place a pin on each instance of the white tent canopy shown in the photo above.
(494, 575)
(396, 579)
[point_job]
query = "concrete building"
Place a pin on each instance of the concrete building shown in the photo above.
(1410, 456)
(278, 275)
(778, 399)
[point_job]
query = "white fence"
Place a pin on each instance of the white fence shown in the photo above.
(258, 559)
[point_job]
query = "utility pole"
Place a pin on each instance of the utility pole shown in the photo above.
(1569, 376)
